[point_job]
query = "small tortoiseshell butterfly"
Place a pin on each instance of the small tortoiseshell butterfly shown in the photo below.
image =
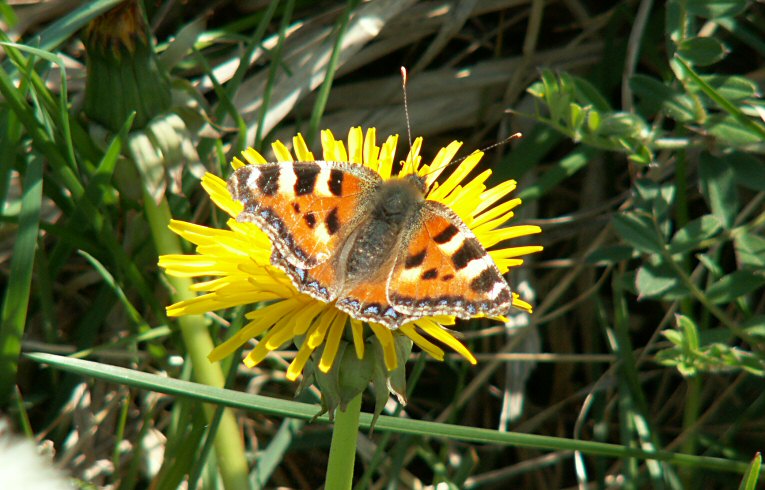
(376, 247)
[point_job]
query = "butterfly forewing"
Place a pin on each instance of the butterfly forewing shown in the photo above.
(304, 207)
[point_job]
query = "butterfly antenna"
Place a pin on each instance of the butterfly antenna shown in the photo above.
(484, 150)
(406, 106)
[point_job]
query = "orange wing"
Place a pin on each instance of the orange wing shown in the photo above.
(368, 301)
(306, 208)
(444, 270)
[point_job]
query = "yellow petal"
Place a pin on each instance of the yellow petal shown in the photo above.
(413, 158)
(489, 197)
(387, 154)
(356, 145)
(357, 328)
(462, 171)
(301, 149)
(502, 234)
(439, 333)
(371, 151)
(332, 344)
(216, 188)
(297, 364)
(328, 145)
(253, 157)
(317, 332)
(282, 153)
(386, 341)
(442, 159)
(503, 210)
(520, 304)
(512, 252)
(423, 343)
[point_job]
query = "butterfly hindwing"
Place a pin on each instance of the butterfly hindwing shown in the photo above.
(443, 269)
(368, 301)
(320, 282)
(304, 207)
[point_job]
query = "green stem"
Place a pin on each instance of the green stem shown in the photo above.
(690, 418)
(342, 452)
(228, 442)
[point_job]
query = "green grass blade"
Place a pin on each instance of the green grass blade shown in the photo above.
(63, 105)
(276, 61)
(286, 408)
(14, 311)
(273, 455)
(749, 482)
(326, 86)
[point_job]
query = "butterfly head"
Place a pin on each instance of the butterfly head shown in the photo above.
(399, 196)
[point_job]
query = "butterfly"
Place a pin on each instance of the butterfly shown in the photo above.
(377, 248)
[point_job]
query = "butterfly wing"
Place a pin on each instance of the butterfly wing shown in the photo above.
(305, 208)
(368, 301)
(444, 270)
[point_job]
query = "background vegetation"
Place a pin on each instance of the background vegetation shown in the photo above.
(641, 159)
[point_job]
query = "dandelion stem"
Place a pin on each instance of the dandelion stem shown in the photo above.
(342, 452)
(228, 442)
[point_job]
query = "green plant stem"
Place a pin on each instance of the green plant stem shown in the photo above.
(690, 418)
(342, 452)
(228, 442)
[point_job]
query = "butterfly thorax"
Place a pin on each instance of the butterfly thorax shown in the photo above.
(394, 207)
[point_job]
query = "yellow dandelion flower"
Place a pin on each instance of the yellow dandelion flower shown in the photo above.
(236, 263)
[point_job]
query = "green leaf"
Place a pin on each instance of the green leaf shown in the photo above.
(702, 51)
(639, 232)
(690, 332)
(655, 96)
(730, 132)
(557, 94)
(691, 235)
(719, 188)
(750, 250)
(748, 170)
(563, 169)
(622, 125)
(640, 154)
(755, 326)
(654, 198)
(734, 285)
(659, 281)
(685, 72)
(716, 8)
(673, 336)
(610, 255)
(587, 94)
(733, 88)
(577, 116)
(593, 121)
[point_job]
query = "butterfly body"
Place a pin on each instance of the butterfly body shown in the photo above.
(394, 208)
(378, 248)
